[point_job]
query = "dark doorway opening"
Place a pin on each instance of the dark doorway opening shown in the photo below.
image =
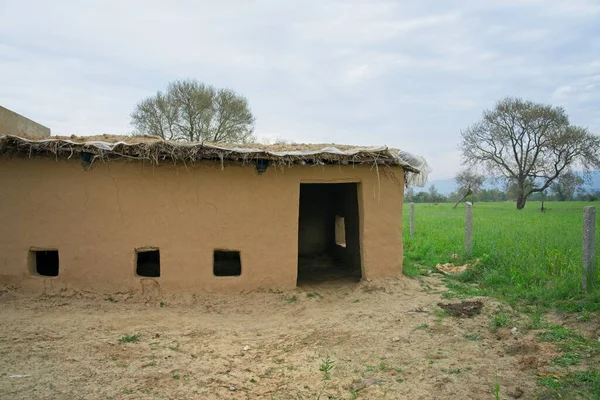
(328, 233)
(45, 262)
(148, 263)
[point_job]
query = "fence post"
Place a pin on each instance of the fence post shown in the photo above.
(412, 219)
(589, 249)
(468, 227)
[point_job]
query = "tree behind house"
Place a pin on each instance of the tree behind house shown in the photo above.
(567, 185)
(521, 141)
(469, 183)
(192, 111)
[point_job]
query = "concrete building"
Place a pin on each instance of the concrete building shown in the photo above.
(12, 123)
(107, 214)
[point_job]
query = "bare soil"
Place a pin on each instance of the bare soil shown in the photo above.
(387, 340)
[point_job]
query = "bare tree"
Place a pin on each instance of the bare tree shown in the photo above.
(521, 140)
(192, 111)
(566, 185)
(469, 182)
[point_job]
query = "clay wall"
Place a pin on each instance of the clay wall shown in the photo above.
(97, 218)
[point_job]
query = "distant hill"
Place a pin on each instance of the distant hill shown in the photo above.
(447, 186)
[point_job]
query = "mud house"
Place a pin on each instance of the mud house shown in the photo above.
(113, 213)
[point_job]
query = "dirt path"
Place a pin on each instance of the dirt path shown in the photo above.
(387, 340)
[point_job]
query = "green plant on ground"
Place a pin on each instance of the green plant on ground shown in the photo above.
(500, 320)
(110, 299)
(496, 388)
(451, 371)
(567, 359)
(473, 336)
(130, 338)
(326, 367)
(291, 299)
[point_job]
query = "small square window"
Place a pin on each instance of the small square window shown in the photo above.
(148, 263)
(44, 262)
(227, 263)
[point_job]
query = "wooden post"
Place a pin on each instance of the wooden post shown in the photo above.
(468, 227)
(412, 219)
(589, 249)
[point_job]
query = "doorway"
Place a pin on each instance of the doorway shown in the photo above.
(328, 233)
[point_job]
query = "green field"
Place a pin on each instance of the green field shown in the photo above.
(526, 256)
(531, 260)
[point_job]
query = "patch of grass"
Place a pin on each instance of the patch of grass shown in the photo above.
(536, 320)
(175, 346)
(176, 376)
(399, 380)
(162, 304)
(383, 367)
(422, 326)
(369, 368)
(585, 316)
(574, 385)
(326, 367)
(448, 295)
(500, 320)
(452, 371)
(252, 380)
(130, 338)
(110, 299)
(526, 257)
(567, 359)
(314, 295)
(291, 299)
(557, 333)
(473, 336)
(411, 270)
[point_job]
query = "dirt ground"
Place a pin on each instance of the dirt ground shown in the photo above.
(387, 340)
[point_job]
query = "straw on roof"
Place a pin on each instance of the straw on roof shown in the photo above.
(156, 150)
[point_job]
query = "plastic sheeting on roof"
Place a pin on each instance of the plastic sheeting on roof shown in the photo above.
(417, 171)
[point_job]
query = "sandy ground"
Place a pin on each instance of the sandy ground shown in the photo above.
(387, 340)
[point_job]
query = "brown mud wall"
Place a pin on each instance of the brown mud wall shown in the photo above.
(97, 218)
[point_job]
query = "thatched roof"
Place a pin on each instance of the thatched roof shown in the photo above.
(155, 150)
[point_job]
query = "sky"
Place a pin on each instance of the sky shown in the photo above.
(406, 74)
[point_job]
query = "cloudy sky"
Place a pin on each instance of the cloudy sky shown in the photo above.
(407, 74)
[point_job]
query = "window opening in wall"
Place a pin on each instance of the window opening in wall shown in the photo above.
(340, 231)
(148, 263)
(44, 262)
(227, 263)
